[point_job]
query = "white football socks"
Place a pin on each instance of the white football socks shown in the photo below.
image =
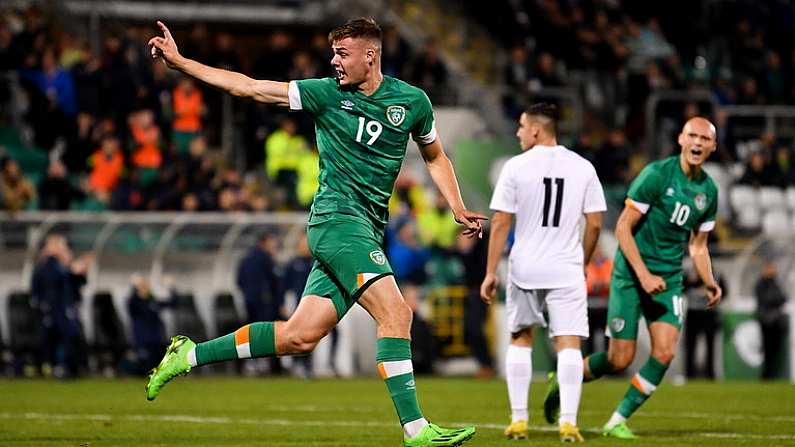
(570, 369)
(518, 372)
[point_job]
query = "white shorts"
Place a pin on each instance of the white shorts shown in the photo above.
(567, 308)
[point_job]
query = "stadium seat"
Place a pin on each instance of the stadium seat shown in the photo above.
(24, 323)
(227, 319)
(723, 181)
(186, 318)
(776, 223)
(110, 341)
(748, 218)
(790, 197)
(742, 197)
(771, 198)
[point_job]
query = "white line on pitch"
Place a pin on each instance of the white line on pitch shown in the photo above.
(286, 422)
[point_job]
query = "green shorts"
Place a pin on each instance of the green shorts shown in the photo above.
(628, 300)
(349, 257)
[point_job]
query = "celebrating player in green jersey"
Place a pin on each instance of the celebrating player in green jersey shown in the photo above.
(363, 120)
(671, 202)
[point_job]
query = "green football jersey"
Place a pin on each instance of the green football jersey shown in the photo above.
(362, 141)
(673, 206)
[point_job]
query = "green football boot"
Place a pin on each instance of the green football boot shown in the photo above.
(620, 431)
(552, 399)
(434, 436)
(174, 363)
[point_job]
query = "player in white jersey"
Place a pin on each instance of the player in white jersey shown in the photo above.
(548, 189)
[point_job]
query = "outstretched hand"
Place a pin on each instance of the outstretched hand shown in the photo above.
(472, 221)
(165, 47)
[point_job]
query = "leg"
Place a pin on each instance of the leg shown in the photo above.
(623, 314)
(474, 316)
(518, 375)
(523, 311)
(692, 328)
(568, 325)
(313, 318)
(663, 345)
(383, 301)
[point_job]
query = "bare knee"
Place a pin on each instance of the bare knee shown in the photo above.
(620, 359)
(664, 355)
(296, 341)
(398, 317)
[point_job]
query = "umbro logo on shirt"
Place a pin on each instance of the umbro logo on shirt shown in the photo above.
(669, 192)
(346, 104)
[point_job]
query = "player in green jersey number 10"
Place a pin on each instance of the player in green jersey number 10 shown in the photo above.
(363, 120)
(672, 202)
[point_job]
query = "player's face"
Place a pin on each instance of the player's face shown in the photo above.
(698, 141)
(352, 60)
(527, 133)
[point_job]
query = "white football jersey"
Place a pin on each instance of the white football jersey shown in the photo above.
(548, 189)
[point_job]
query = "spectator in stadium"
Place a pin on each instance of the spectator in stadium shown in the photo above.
(770, 302)
(56, 289)
(700, 320)
(612, 158)
(406, 254)
(423, 342)
(106, 164)
(188, 107)
(16, 191)
(308, 170)
(758, 171)
(394, 54)
(472, 253)
(55, 83)
(284, 149)
(597, 279)
(429, 71)
(149, 334)
(260, 285)
(436, 229)
(55, 190)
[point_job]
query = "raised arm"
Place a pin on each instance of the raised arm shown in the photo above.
(443, 175)
(237, 84)
(699, 252)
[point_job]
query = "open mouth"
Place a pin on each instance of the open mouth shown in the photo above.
(696, 152)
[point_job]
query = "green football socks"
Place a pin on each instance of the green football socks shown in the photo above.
(642, 385)
(393, 356)
(250, 341)
(596, 365)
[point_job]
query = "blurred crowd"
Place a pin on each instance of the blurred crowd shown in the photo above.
(106, 128)
(615, 54)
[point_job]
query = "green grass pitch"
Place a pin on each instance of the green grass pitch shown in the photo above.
(290, 412)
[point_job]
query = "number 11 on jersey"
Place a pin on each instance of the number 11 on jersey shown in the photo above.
(558, 201)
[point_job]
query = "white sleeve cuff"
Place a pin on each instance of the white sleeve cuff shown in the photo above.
(294, 96)
(706, 226)
(428, 138)
(640, 206)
